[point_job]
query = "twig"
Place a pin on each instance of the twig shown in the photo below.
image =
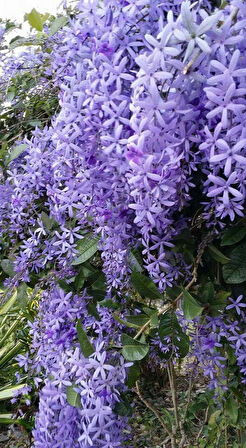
(182, 422)
(155, 411)
(171, 375)
(204, 422)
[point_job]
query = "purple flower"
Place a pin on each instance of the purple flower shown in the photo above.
(237, 304)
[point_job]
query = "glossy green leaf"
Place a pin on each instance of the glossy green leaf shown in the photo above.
(145, 286)
(134, 260)
(133, 350)
(109, 303)
(235, 271)
(73, 397)
(9, 392)
(22, 295)
(182, 341)
(16, 152)
(11, 330)
(170, 327)
(35, 20)
(8, 305)
(58, 23)
(233, 235)
(8, 267)
(138, 319)
(217, 255)
(124, 322)
(207, 293)
(190, 306)
(6, 419)
(168, 324)
(85, 345)
(11, 354)
(86, 247)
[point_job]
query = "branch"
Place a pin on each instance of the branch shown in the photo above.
(151, 408)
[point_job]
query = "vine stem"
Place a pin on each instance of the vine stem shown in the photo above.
(203, 424)
(167, 307)
(155, 411)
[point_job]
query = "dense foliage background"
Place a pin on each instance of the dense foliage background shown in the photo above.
(123, 234)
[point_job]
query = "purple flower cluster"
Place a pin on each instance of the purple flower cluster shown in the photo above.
(146, 98)
(98, 380)
(210, 335)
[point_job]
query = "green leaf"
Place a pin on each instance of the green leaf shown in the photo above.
(219, 302)
(124, 322)
(123, 407)
(22, 295)
(145, 286)
(8, 393)
(108, 303)
(21, 41)
(86, 247)
(97, 294)
(8, 305)
(35, 20)
(6, 419)
(207, 292)
(182, 341)
(11, 329)
(35, 123)
(8, 267)
(231, 409)
(169, 326)
(133, 350)
(11, 354)
(217, 254)
(133, 375)
(73, 397)
(233, 235)
(213, 419)
(85, 345)
(58, 23)
(134, 260)
(153, 316)
(10, 94)
(138, 319)
(16, 152)
(190, 306)
(235, 271)
(47, 221)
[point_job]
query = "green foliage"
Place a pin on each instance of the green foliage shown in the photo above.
(190, 306)
(217, 254)
(233, 235)
(87, 247)
(133, 350)
(35, 20)
(145, 286)
(123, 407)
(57, 24)
(73, 397)
(169, 327)
(234, 272)
(85, 345)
